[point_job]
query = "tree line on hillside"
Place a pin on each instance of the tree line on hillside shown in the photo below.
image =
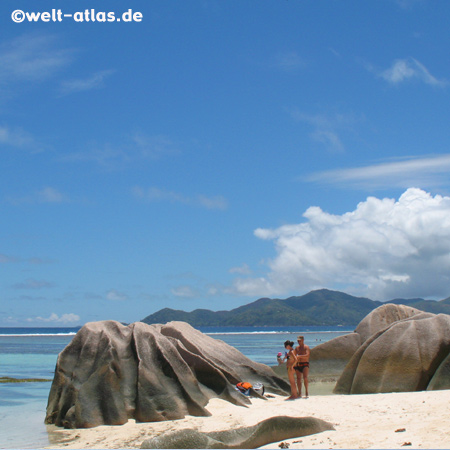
(320, 307)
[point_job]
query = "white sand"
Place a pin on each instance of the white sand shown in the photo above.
(361, 421)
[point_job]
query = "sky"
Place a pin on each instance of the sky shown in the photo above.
(212, 152)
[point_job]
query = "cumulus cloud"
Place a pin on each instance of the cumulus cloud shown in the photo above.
(410, 68)
(64, 318)
(385, 248)
(427, 171)
(155, 194)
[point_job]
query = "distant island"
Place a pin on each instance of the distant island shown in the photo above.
(319, 307)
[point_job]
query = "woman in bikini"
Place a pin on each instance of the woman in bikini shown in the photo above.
(291, 360)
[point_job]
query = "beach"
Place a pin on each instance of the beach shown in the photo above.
(32, 352)
(360, 421)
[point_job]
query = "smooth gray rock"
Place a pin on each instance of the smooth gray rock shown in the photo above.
(110, 373)
(270, 430)
(441, 378)
(330, 358)
(382, 317)
(229, 361)
(400, 358)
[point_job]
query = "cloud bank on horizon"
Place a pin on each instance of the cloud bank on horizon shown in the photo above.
(385, 248)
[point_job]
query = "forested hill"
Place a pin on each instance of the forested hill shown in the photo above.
(321, 307)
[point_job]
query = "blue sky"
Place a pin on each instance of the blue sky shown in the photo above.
(221, 151)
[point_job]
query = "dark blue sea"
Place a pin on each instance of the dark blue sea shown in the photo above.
(32, 353)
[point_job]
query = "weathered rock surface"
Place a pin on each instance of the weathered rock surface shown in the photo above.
(270, 430)
(330, 358)
(384, 316)
(111, 372)
(395, 348)
(441, 378)
(409, 355)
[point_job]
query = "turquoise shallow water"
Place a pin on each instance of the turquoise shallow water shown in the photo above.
(32, 353)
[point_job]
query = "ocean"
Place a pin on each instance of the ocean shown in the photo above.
(32, 353)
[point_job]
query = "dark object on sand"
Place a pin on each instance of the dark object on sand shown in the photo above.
(110, 373)
(270, 430)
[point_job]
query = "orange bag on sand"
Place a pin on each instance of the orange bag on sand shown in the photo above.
(244, 386)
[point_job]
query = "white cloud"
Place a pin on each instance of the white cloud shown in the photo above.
(383, 249)
(408, 4)
(243, 270)
(155, 194)
(50, 195)
(65, 318)
(185, 292)
(136, 147)
(328, 129)
(45, 195)
(410, 68)
(288, 61)
(427, 171)
(31, 57)
(33, 284)
(16, 137)
(114, 295)
(153, 147)
(95, 81)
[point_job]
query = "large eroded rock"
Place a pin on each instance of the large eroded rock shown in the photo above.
(409, 355)
(330, 358)
(383, 316)
(110, 373)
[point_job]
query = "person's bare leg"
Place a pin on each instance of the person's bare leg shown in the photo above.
(305, 380)
(293, 384)
(299, 383)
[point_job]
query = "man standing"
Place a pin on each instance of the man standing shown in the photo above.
(302, 352)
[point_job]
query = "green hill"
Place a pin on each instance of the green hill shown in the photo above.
(333, 307)
(441, 307)
(320, 307)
